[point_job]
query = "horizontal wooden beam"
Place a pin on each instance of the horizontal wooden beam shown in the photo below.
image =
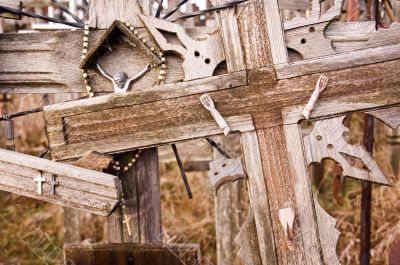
(115, 123)
(77, 188)
(108, 254)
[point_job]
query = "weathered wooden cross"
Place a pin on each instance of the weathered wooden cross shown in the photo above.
(260, 93)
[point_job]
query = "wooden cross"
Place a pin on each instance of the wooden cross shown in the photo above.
(39, 181)
(261, 95)
(127, 221)
(53, 183)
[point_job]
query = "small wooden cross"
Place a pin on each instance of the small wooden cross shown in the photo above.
(39, 181)
(54, 183)
(127, 221)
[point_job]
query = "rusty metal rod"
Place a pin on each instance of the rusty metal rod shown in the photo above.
(366, 198)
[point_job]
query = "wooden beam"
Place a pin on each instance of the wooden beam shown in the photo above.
(141, 187)
(258, 198)
(49, 63)
(74, 127)
(104, 12)
(275, 32)
(108, 254)
(99, 195)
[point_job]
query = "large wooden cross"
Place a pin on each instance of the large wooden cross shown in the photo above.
(261, 95)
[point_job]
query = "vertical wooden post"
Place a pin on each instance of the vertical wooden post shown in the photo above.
(228, 215)
(141, 188)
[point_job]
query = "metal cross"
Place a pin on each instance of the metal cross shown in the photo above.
(54, 183)
(39, 181)
(127, 221)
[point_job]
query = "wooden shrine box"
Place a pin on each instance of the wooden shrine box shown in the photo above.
(132, 254)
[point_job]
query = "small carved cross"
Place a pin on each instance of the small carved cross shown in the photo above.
(39, 181)
(54, 183)
(127, 221)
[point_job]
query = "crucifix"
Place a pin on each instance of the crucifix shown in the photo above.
(261, 95)
(39, 181)
(54, 183)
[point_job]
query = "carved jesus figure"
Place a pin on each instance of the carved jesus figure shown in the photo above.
(120, 80)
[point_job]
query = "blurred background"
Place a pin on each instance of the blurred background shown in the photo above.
(32, 232)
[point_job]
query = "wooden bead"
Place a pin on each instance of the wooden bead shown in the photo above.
(161, 77)
(91, 94)
(85, 44)
(85, 75)
(137, 155)
(85, 39)
(83, 57)
(84, 51)
(163, 59)
(126, 169)
(132, 28)
(163, 66)
(135, 32)
(163, 72)
(130, 164)
(117, 163)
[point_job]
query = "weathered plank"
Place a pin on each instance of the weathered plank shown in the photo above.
(231, 37)
(116, 123)
(102, 13)
(280, 182)
(294, 4)
(275, 32)
(49, 63)
(98, 195)
(340, 61)
(258, 197)
(120, 139)
(140, 220)
(111, 254)
(303, 194)
(72, 224)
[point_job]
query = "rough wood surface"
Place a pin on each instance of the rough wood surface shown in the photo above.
(280, 182)
(132, 135)
(358, 84)
(315, 16)
(141, 188)
(337, 62)
(254, 34)
(200, 57)
(258, 197)
(326, 140)
(294, 5)
(49, 62)
(275, 32)
(111, 254)
(304, 198)
(247, 240)
(328, 235)
(390, 116)
(224, 170)
(229, 206)
(103, 12)
(231, 37)
(99, 195)
(94, 161)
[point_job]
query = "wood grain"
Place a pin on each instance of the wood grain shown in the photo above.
(280, 182)
(99, 195)
(231, 37)
(49, 62)
(303, 194)
(326, 140)
(75, 127)
(110, 254)
(275, 32)
(328, 234)
(258, 197)
(141, 187)
(102, 13)
(200, 57)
